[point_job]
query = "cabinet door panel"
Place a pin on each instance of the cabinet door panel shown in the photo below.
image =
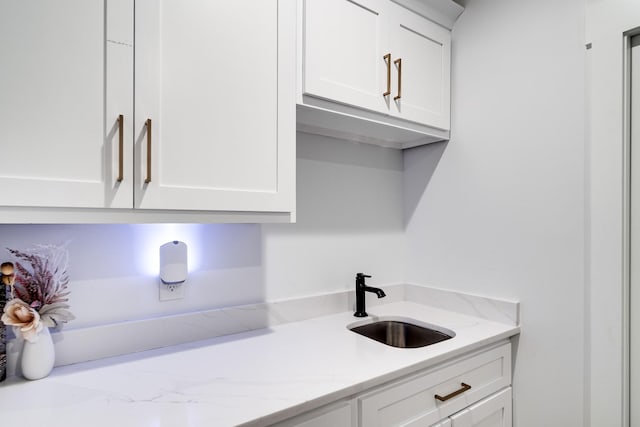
(425, 50)
(63, 85)
(494, 411)
(338, 415)
(207, 75)
(345, 41)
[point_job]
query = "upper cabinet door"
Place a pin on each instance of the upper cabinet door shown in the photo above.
(215, 105)
(345, 42)
(65, 78)
(421, 68)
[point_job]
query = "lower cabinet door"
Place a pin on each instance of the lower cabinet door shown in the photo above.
(494, 411)
(337, 415)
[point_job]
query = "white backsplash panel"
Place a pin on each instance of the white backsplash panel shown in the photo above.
(92, 343)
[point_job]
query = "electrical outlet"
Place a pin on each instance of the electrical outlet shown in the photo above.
(171, 292)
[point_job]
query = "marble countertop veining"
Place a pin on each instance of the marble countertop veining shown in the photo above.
(253, 378)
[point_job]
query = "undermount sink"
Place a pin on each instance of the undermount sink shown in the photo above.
(401, 332)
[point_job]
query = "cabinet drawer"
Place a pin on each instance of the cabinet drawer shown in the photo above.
(494, 411)
(412, 402)
(335, 415)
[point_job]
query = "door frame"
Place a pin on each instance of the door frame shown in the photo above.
(607, 26)
(627, 240)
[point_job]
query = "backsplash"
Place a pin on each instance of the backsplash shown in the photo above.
(91, 343)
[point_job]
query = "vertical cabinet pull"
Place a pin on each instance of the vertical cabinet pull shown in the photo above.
(387, 60)
(120, 148)
(398, 63)
(463, 387)
(148, 178)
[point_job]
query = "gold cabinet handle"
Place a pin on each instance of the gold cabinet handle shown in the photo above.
(387, 60)
(148, 178)
(120, 148)
(398, 63)
(463, 387)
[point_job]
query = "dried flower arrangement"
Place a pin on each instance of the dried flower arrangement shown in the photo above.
(39, 294)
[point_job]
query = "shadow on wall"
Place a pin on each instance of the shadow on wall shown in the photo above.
(419, 165)
(349, 219)
(346, 186)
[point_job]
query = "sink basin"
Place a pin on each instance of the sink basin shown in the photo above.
(402, 333)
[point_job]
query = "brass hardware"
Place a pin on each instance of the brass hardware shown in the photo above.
(387, 60)
(398, 63)
(464, 387)
(121, 148)
(148, 178)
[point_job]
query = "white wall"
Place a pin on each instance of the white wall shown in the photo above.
(499, 210)
(349, 220)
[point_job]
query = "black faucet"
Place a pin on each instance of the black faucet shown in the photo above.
(361, 288)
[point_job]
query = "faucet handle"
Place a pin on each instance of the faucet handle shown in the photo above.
(361, 275)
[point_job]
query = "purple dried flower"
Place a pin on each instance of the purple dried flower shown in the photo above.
(43, 286)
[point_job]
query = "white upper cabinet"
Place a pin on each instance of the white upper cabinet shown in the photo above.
(344, 45)
(222, 133)
(65, 78)
(421, 53)
(214, 107)
(375, 70)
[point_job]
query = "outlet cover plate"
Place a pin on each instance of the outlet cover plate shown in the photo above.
(171, 292)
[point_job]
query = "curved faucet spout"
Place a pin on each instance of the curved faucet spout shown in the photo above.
(379, 292)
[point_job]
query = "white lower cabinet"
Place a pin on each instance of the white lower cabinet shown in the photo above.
(340, 414)
(473, 390)
(494, 411)
(426, 398)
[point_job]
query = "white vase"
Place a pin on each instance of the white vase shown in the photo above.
(38, 357)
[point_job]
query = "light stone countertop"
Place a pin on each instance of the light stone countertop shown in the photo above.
(253, 378)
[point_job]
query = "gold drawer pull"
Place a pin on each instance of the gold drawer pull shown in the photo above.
(387, 60)
(463, 387)
(398, 63)
(120, 148)
(148, 178)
